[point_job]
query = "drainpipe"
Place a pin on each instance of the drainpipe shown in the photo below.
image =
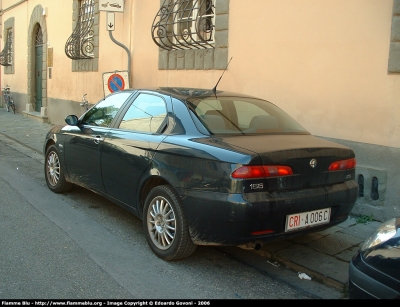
(12, 6)
(126, 49)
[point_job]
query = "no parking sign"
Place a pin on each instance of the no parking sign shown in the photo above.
(115, 81)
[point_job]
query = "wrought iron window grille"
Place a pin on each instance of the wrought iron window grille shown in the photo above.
(6, 56)
(184, 24)
(80, 44)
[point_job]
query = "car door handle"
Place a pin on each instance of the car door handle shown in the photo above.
(97, 139)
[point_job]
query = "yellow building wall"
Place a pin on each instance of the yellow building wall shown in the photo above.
(323, 62)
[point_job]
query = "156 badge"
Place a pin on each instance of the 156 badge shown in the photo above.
(256, 186)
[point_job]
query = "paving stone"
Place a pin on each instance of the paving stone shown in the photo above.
(349, 222)
(318, 262)
(330, 230)
(362, 231)
(276, 246)
(307, 238)
(348, 254)
(334, 243)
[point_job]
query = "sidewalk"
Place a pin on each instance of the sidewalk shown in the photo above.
(322, 256)
(24, 130)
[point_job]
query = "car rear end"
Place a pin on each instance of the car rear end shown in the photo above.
(285, 183)
(306, 183)
(276, 194)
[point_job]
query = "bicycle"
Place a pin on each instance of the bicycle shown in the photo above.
(8, 99)
(85, 103)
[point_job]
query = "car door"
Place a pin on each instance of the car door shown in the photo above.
(83, 143)
(128, 150)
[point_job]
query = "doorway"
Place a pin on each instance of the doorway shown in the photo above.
(38, 68)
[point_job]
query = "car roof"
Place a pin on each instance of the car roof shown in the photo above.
(184, 93)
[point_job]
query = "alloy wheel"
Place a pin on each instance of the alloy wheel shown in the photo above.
(53, 168)
(161, 223)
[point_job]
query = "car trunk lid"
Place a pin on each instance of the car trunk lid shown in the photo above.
(307, 155)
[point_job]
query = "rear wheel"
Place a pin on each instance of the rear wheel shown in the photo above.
(54, 172)
(165, 225)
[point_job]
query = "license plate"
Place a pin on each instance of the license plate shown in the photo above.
(307, 219)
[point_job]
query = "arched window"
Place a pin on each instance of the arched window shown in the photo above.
(39, 37)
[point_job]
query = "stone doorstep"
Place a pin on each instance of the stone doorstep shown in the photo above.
(36, 116)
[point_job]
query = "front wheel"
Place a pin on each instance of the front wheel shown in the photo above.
(165, 225)
(12, 107)
(54, 172)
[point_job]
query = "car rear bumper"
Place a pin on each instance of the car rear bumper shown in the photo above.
(233, 219)
(363, 286)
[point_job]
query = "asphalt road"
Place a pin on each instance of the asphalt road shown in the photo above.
(81, 246)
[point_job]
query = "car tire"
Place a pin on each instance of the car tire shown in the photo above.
(54, 173)
(165, 225)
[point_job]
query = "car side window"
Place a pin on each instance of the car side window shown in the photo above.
(146, 114)
(103, 113)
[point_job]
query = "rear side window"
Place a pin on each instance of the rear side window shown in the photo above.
(146, 114)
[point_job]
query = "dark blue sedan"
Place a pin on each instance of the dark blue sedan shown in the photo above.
(374, 271)
(203, 167)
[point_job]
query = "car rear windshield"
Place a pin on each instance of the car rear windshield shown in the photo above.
(243, 115)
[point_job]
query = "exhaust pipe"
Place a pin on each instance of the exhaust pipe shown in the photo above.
(257, 246)
(254, 245)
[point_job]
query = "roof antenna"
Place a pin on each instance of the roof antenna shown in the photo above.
(215, 87)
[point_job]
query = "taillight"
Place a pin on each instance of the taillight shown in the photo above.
(261, 171)
(343, 164)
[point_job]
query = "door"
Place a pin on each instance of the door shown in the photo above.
(38, 69)
(128, 150)
(82, 155)
(83, 144)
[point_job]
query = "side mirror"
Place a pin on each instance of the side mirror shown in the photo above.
(71, 120)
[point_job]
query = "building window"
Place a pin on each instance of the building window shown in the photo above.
(82, 45)
(394, 50)
(6, 56)
(184, 24)
(192, 34)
